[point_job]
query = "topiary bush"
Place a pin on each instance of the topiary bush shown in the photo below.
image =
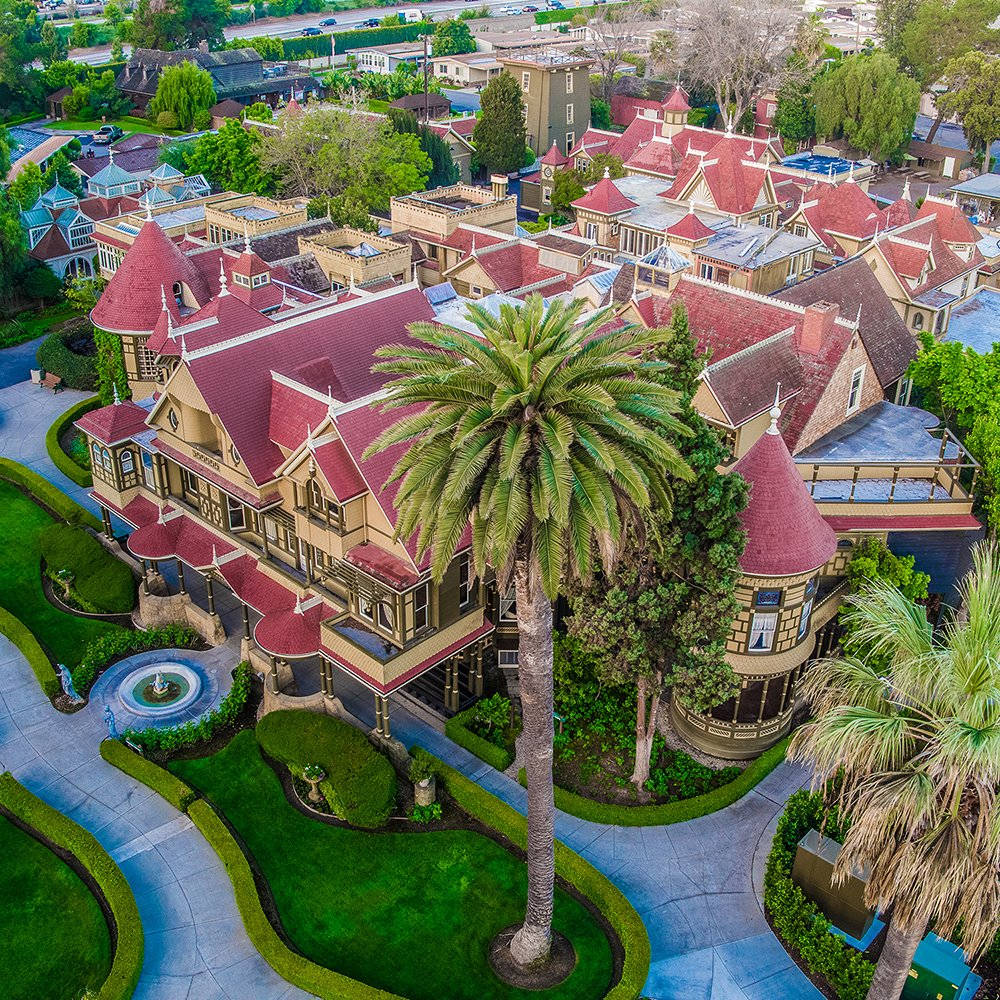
(70, 354)
(361, 783)
(101, 583)
(798, 921)
(166, 119)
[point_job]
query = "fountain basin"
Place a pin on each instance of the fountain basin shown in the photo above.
(139, 694)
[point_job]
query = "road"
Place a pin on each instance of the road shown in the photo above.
(289, 27)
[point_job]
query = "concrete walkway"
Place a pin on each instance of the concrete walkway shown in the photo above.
(695, 884)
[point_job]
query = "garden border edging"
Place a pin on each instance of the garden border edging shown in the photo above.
(60, 459)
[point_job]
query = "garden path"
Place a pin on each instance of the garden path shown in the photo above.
(695, 884)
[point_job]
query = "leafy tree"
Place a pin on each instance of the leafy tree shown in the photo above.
(79, 36)
(110, 365)
(13, 248)
(60, 170)
(54, 46)
(183, 90)
(567, 186)
(500, 135)
(19, 47)
(868, 101)
(603, 163)
(661, 618)
(157, 25)
(914, 757)
(39, 283)
(939, 32)
(27, 186)
(269, 48)
(82, 293)
(548, 448)
(974, 96)
(444, 170)
(230, 160)
(452, 38)
(258, 112)
(4, 152)
(891, 19)
(342, 211)
(795, 117)
(600, 113)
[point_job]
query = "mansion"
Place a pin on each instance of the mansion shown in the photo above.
(249, 334)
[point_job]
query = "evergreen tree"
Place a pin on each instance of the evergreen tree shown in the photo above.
(974, 97)
(230, 160)
(4, 152)
(54, 46)
(110, 365)
(661, 619)
(500, 135)
(452, 37)
(567, 186)
(26, 186)
(183, 90)
(443, 167)
(13, 248)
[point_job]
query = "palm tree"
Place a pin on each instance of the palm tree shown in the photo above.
(548, 436)
(915, 753)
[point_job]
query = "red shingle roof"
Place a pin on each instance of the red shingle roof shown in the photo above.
(554, 158)
(515, 266)
(624, 108)
(952, 225)
(605, 198)
(677, 101)
(115, 423)
(785, 533)
(735, 182)
(383, 565)
(690, 228)
(339, 470)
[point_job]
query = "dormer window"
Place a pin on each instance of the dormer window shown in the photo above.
(241, 279)
(178, 293)
(260, 279)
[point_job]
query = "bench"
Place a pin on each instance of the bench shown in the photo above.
(134, 747)
(51, 381)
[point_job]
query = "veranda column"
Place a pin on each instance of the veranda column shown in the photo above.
(763, 700)
(273, 675)
(385, 716)
(378, 714)
(210, 592)
(447, 684)
(180, 577)
(246, 622)
(479, 672)
(322, 675)
(330, 693)
(454, 686)
(106, 521)
(145, 578)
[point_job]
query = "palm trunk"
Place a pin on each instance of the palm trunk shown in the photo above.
(894, 963)
(534, 624)
(645, 729)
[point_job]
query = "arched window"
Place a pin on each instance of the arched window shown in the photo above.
(127, 463)
(918, 321)
(178, 293)
(315, 496)
(96, 448)
(106, 459)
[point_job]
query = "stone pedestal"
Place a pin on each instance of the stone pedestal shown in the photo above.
(158, 586)
(424, 792)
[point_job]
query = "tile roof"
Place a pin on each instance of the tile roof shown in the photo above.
(554, 157)
(292, 415)
(624, 108)
(952, 224)
(691, 228)
(841, 209)
(115, 423)
(338, 468)
(513, 267)
(677, 101)
(785, 533)
(377, 562)
(734, 182)
(605, 198)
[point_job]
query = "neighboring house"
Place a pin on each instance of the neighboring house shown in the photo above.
(54, 102)
(224, 110)
(425, 106)
(386, 58)
(472, 69)
(238, 74)
(41, 154)
(60, 233)
(944, 162)
(457, 132)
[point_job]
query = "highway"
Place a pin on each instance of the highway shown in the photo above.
(289, 27)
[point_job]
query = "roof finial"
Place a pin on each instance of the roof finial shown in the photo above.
(906, 189)
(472, 253)
(775, 411)
(607, 173)
(857, 322)
(184, 350)
(163, 514)
(246, 238)
(114, 393)
(223, 290)
(298, 604)
(927, 194)
(111, 156)
(215, 556)
(352, 282)
(163, 299)
(149, 210)
(850, 175)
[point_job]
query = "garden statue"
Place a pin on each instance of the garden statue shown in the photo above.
(109, 718)
(66, 679)
(314, 774)
(159, 684)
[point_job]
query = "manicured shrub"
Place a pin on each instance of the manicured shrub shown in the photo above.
(124, 643)
(608, 899)
(166, 119)
(49, 496)
(24, 639)
(175, 791)
(63, 832)
(361, 783)
(458, 730)
(798, 920)
(61, 353)
(100, 582)
(201, 120)
(65, 463)
(201, 730)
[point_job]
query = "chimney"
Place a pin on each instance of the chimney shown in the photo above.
(203, 46)
(499, 184)
(817, 324)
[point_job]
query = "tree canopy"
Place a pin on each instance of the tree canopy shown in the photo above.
(870, 102)
(183, 90)
(974, 96)
(452, 37)
(500, 135)
(229, 159)
(178, 24)
(444, 170)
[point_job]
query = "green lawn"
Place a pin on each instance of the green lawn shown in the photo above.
(54, 942)
(32, 323)
(126, 123)
(64, 636)
(412, 913)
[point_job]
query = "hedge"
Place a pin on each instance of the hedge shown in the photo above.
(60, 459)
(200, 730)
(48, 495)
(63, 832)
(455, 729)
(78, 371)
(125, 642)
(361, 38)
(296, 969)
(24, 639)
(670, 812)
(552, 16)
(101, 584)
(168, 785)
(608, 899)
(360, 785)
(798, 920)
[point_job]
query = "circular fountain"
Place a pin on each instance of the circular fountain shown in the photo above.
(159, 689)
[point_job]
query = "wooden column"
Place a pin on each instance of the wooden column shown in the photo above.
(145, 578)
(385, 716)
(211, 593)
(785, 691)
(447, 684)
(378, 715)
(736, 705)
(180, 577)
(106, 521)
(478, 688)
(453, 693)
(246, 622)
(273, 676)
(763, 700)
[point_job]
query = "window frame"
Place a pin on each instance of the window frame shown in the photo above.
(464, 567)
(856, 390)
(757, 625)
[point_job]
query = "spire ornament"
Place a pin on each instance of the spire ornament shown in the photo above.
(775, 412)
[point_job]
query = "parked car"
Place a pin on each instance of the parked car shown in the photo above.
(311, 31)
(509, 11)
(529, 10)
(106, 135)
(328, 22)
(556, 5)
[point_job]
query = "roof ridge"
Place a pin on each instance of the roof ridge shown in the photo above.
(741, 354)
(745, 293)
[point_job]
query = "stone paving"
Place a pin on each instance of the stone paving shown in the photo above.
(695, 884)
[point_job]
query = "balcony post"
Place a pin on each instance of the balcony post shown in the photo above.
(210, 593)
(273, 675)
(385, 716)
(145, 578)
(479, 671)
(763, 700)
(180, 577)
(106, 521)
(895, 479)
(736, 702)
(246, 622)
(454, 685)
(854, 482)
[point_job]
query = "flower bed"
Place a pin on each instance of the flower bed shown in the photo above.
(67, 447)
(485, 730)
(121, 643)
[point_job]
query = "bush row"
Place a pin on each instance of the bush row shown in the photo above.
(24, 639)
(297, 969)
(175, 791)
(78, 371)
(318, 46)
(125, 642)
(202, 730)
(456, 729)
(798, 920)
(63, 832)
(63, 462)
(99, 582)
(616, 909)
(552, 16)
(360, 784)
(670, 812)
(48, 495)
